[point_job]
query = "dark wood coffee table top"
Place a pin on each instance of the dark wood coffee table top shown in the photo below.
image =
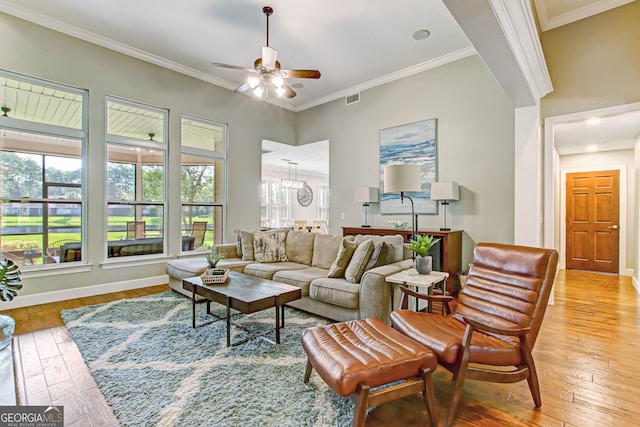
(248, 294)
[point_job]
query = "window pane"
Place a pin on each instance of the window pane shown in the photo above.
(134, 230)
(135, 122)
(121, 181)
(203, 135)
(41, 104)
(199, 179)
(152, 183)
(21, 175)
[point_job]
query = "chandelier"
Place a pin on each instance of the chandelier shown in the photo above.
(295, 183)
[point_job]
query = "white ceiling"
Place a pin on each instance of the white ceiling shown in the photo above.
(355, 45)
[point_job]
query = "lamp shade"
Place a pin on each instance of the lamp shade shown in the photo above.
(399, 178)
(445, 190)
(366, 195)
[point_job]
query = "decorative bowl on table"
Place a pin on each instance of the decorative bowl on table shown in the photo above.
(399, 225)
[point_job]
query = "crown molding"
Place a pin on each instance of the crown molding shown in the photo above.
(424, 66)
(549, 23)
(518, 26)
(73, 31)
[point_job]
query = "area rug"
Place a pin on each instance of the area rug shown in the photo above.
(154, 369)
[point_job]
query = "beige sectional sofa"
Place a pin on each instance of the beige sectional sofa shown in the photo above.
(357, 290)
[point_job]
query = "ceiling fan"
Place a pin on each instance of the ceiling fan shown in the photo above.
(266, 72)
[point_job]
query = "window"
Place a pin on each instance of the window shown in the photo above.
(136, 156)
(42, 139)
(203, 172)
(275, 209)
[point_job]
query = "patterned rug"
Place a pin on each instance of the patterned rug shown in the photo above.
(154, 369)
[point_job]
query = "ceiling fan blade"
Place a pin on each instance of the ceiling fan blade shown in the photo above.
(242, 89)
(289, 93)
(233, 67)
(301, 74)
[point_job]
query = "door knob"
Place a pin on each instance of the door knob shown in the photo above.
(615, 227)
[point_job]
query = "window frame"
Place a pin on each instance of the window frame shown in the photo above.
(219, 233)
(56, 131)
(125, 141)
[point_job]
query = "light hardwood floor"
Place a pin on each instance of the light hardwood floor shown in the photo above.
(586, 355)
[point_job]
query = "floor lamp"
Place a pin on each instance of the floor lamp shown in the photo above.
(445, 192)
(403, 179)
(366, 195)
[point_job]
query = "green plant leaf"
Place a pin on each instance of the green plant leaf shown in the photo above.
(10, 280)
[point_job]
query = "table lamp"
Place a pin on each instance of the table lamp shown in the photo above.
(445, 192)
(366, 195)
(404, 179)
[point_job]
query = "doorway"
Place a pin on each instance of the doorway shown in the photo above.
(613, 153)
(592, 225)
(295, 183)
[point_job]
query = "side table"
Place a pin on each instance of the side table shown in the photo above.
(417, 281)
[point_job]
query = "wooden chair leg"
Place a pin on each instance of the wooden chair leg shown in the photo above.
(460, 375)
(361, 400)
(428, 396)
(307, 372)
(534, 386)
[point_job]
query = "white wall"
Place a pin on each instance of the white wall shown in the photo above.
(636, 240)
(475, 147)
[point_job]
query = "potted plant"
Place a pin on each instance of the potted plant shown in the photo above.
(420, 245)
(213, 259)
(10, 284)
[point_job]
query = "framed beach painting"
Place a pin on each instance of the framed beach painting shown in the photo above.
(413, 143)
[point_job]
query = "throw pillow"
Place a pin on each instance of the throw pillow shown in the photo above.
(358, 262)
(247, 245)
(379, 256)
(345, 252)
(269, 247)
(238, 243)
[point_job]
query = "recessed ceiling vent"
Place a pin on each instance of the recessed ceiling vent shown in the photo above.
(352, 99)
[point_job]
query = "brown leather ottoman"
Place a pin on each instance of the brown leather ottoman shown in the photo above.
(353, 357)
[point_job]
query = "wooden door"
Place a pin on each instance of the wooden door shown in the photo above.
(593, 200)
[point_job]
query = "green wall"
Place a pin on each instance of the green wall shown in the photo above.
(39, 52)
(475, 146)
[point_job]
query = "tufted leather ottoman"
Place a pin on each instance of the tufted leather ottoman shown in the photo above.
(353, 357)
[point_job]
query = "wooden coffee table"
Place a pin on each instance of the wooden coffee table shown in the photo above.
(247, 294)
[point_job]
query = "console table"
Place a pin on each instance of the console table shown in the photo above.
(447, 254)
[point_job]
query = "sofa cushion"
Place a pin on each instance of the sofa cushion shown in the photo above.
(300, 278)
(359, 261)
(381, 255)
(335, 291)
(395, 242)
(267, 270)
(269, 247)
(325, 250)
(339, 265)
(299, 247)
(186, 267)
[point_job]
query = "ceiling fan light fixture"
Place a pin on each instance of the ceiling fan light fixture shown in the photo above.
(253, 81)
(258, 91)
(278, 81)
(280, 91)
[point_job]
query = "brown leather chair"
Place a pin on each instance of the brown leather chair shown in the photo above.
(495, 322)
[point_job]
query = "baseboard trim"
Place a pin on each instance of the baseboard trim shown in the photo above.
(86, 291)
